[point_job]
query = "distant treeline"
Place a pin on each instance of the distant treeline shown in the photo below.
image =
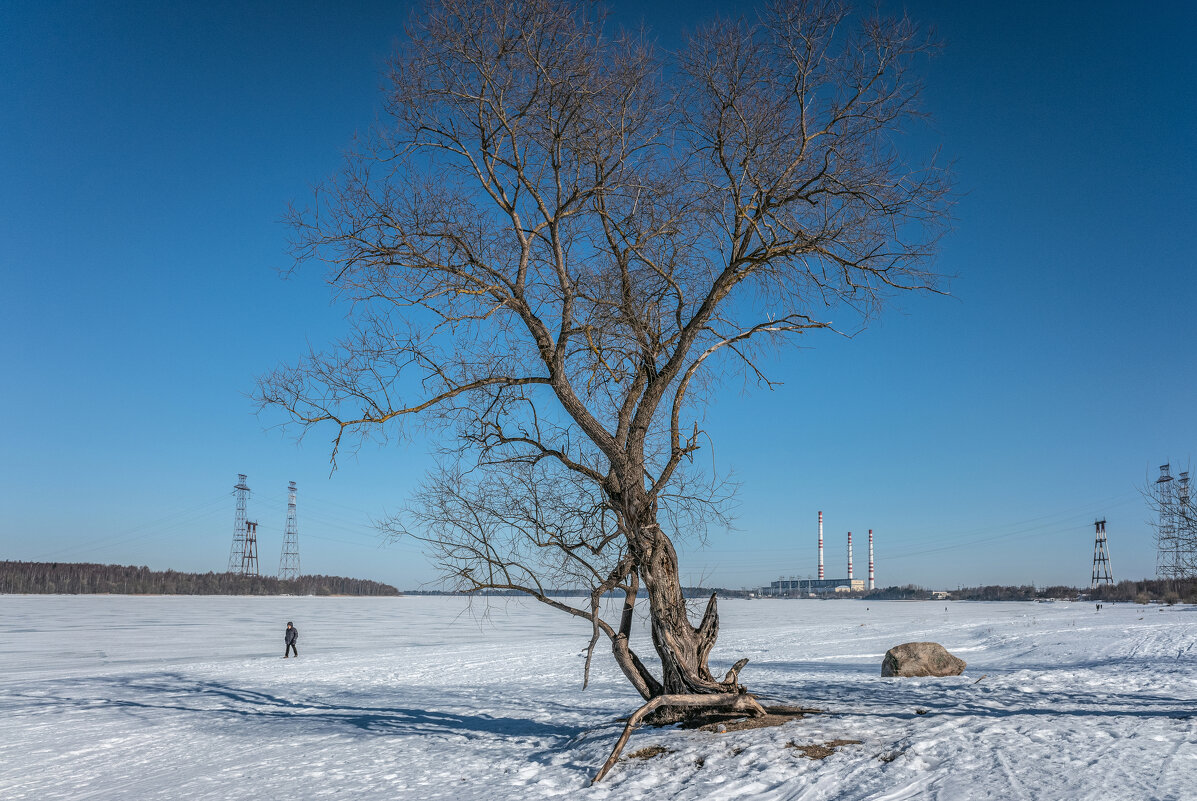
(913, 592)
(1146, 590)
(73, 578)
(1018, 592)
(688, 592)
(1142, 591)
(908, 592)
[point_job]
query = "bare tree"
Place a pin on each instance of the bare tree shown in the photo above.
(561, 241)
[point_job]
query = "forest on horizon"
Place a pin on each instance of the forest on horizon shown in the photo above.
(79, 578)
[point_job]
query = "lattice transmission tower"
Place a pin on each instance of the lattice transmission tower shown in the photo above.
(1186, 528)
(249, 565)
(288, 563)
(1101, 557)
(1166, 542)
(1176, 532)
(237, 553)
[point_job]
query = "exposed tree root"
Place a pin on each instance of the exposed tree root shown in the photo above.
(733, 675)
(721, 722)
(739, 702)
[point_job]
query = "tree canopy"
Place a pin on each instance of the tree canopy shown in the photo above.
(562, 239)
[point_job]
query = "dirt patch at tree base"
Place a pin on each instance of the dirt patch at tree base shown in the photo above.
(649, 752)
(820, 750)
(720, 722)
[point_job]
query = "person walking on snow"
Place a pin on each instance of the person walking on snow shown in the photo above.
(289, 640)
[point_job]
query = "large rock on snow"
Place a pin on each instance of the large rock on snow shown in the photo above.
(921, 659)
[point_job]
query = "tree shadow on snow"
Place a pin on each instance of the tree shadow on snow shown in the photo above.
(867, 693)
(212, 702)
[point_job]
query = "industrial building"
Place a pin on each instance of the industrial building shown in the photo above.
(801, 588)
(795, 587)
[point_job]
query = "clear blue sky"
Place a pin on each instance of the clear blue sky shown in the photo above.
(148, 150)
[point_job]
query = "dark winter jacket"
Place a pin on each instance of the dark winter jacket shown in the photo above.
(291, 636)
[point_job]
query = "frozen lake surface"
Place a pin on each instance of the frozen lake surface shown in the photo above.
(110, 697)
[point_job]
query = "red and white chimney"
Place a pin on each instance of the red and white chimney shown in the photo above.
(820, 546)
(849, 556)
(871, 583)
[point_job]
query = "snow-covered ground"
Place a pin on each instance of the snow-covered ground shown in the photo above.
(416, 698)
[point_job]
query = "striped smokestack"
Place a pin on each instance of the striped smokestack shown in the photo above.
(820, 546)
(849, 556)
(871, 583)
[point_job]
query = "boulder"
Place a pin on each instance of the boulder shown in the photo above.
(921, 659)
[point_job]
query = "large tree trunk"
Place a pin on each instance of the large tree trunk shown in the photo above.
(687, 686)
(682, 647)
